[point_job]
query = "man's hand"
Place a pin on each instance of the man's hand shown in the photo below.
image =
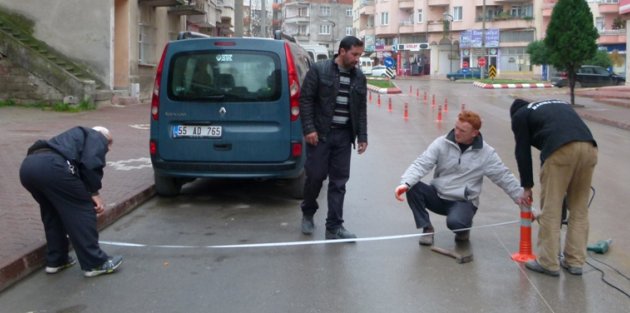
(99, 206)
(362, 147)
(312, 138)
(526, 199)
(400, 190)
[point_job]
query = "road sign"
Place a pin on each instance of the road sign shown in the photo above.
(389, 62)
(482, 61)
(465, 64)
(492, 72)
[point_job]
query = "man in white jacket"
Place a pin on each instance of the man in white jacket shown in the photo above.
(461, 159)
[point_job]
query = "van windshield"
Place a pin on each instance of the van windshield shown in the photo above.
(224, 75)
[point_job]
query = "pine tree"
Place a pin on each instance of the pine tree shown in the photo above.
(571, 38)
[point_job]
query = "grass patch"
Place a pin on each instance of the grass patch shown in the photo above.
(381, 83)
(57, 106)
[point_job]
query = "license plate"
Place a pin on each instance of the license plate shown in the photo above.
(197, 131)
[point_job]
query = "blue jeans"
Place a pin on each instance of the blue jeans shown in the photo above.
(459, 214)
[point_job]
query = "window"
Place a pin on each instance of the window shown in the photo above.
(349, 12)
(457, 13)
(349, 31)
(515, 11)
(303, 12)
(324, 29)
(599, 23)
(384, 18)
(324, 11)
(303, 30)
(370, 21)
(419, 14)
(146, 37)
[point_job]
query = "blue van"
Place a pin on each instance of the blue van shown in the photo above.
(228, 108)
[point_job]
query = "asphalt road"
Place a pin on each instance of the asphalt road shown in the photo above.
(382, 275)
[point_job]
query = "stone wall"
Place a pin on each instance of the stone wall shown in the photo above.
(19, 85)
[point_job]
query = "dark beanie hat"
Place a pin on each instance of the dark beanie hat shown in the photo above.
(516, 105)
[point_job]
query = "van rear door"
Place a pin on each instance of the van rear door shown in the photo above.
(225, 101)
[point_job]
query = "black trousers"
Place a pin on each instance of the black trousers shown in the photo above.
(66, 209)
(459, 214)
(328, 159)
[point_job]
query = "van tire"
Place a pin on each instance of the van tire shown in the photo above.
(296, 186)
(167, 186)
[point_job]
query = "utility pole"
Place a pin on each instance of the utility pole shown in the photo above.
(263, 19)
(483, 37)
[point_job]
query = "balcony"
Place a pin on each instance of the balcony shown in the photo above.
(439, 3)
(612, 36)
(405, 4)
(609, 8)
(297, 4)
(297, 19)
(161, 3)
(192, 8)
(366, 10)
(435, 26)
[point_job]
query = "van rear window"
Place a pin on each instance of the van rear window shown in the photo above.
(225, 75)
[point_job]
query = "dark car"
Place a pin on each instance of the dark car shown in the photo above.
(590, 76)
(466, 73)
(228, 108)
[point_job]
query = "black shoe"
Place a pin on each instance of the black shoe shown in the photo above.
(108, 267)
(571, 269)
(339, 233)
(534, 266)
(307, 225)
(427, 240)
(56, 269)
(462, 236)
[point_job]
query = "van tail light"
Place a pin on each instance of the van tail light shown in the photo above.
(294, 85)
(296, 149)
(155, 98)
(152, 147)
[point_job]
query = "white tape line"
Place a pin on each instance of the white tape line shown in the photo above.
(289, 243)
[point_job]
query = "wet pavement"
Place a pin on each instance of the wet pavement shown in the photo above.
(128, 178)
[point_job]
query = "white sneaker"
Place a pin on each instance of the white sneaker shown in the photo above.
(56, 269)
(108, 267)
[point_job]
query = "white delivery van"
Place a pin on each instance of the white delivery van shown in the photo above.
(365, 64)
(317, 52)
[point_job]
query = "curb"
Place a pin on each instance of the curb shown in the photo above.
(512, 86)
(35, 259)
(603, 120)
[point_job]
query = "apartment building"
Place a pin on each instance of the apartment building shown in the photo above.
(116, 44)
(322, 22)
(434, 37)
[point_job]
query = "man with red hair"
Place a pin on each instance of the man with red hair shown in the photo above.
(461, 160)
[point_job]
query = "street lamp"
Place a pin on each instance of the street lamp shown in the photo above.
(449, 19)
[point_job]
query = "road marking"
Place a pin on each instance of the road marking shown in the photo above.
(131, 164)
(140, 126)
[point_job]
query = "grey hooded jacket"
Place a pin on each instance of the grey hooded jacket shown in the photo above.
(459, 174)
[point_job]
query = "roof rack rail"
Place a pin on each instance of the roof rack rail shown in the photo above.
(188, 34)
(279, 35)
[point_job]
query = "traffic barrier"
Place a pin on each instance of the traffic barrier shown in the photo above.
(389, 105)
(439, 114)
(406, 112)
(525, 246)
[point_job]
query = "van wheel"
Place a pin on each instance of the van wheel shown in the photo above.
(167, 186)
(296, 186)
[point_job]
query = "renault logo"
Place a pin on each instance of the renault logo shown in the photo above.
(222, 111)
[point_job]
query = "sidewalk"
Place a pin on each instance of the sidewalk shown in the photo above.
(129, 178)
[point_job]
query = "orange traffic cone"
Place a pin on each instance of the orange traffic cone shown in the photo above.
(389, 105)
(378, 100)
(425, 97)
(417, 92)
(445, 104)
(439, 115)
(370, 95)
(433, 101)
(410, 90)
(406, 112)
(525, 247)
(463, 107)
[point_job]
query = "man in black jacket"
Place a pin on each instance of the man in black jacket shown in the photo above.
(333, 112)
(64, 176)
(568, 154)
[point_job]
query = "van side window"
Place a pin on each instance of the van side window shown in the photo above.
(223, 75)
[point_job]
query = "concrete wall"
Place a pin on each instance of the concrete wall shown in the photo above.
(80, 29)
(22, 87)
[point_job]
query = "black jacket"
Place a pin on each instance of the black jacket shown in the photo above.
(546, 125)
(318, 99)
(86, 149)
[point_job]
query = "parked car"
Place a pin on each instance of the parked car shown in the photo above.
(466, 73)
(590, 76)
(382, 71)
(228, 108)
